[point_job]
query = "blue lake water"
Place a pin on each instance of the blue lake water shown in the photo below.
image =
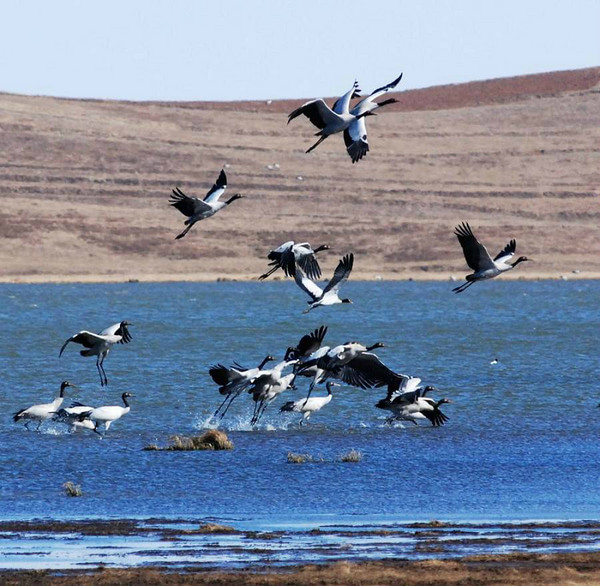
(521, 443)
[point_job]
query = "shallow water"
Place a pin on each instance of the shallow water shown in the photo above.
(521, 441)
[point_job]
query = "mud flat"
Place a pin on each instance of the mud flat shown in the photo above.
(499, 569)
(208, 552)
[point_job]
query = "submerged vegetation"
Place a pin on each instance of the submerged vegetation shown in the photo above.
(351, 456)
(213, 439)
(72, 489)
(294, 458)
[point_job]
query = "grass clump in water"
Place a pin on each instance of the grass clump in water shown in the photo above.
(351, 456)
(294, 458)
(213, 439)
(72, 489)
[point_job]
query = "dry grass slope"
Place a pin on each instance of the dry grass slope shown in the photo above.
(85, 183)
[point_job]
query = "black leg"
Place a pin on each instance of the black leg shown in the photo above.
(99, 370)
(103, 371)
(221, 405)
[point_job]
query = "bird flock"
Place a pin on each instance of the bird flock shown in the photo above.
(351, 363)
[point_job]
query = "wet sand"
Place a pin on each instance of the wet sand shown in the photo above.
(575, 568)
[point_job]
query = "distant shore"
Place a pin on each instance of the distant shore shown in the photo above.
(211, 278)
(521, 568)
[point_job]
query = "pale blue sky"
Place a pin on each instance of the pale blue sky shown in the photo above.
(229, 50)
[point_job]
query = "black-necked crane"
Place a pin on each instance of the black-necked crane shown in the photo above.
(43, 411)
(199, 209)
(72, 416)
(233, 381)
(99, 345)
(412, 404)
(107, 413)
(268, 385)
(328, 120)
(352, 363)
(290, 254)
(355, 136)
(310, 405)
(479, 259)
(328, 295)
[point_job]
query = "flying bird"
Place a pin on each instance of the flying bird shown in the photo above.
(41, 412)
(199, 209)
(479, 259)
(268, 385)
(99, 345)
(355, 136)
(290, 254)
(329, 121)
(234, 381)
(328, 295)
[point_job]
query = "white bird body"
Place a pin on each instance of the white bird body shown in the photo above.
(479, 260)
(310, 405)
(99, 345)
(43, 411)
(268, 385)
(108, 413)
(199, 209)
(330, 294)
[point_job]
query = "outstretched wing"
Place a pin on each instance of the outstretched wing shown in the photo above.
(355, 139)
(220, 374)
(218, 189)
(304, 256)
(507, 252)
(366, 371)
(318, 112)
(187, 205)
(311, 342)
(367, 104)
(86, 339)
(342, 105)
(341, 274)
(476, 254)
(288, 262)
(309, 287)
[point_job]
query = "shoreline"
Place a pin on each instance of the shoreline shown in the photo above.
(202, 551)
(519, 568)
(408, 276)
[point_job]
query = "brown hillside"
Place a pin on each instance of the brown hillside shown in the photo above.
(85, 183)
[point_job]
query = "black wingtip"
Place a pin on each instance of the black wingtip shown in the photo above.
(222, 179)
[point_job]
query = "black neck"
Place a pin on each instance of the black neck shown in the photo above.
(264, 362)
(322, 247)
(386, 102)
(124, 397)
(233, 198)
